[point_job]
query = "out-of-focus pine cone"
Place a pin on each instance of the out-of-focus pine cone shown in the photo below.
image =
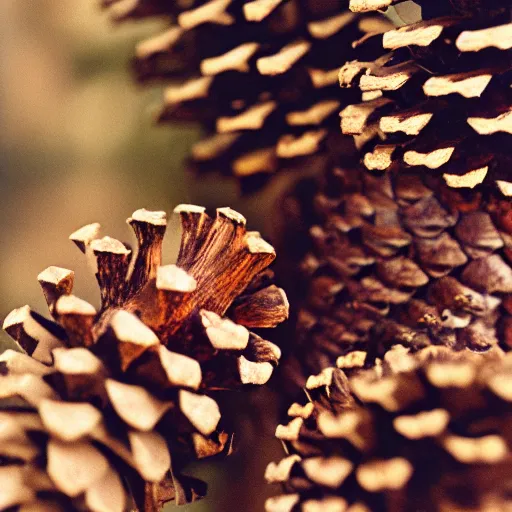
(403, 258)
(107, 407)
(434, 435)
(261, 75)
(440, 100)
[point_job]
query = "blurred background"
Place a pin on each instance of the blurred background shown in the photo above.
(78, 145)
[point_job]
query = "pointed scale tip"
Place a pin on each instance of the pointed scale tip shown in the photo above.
(232, 215)
(85, 235)
(109, 245)
(157, 218)
(16, 316)
(189, 208)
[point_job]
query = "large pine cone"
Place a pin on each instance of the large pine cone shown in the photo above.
(433, 434)
(106, 407)
(261, 76)
(420, 234)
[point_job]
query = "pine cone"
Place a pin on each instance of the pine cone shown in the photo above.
(439, 101)
(260, 75)
(111, 404)
(434, 436)
(421, 234)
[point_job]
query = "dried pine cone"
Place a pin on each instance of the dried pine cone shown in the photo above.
(440, 100)
(105, 407)
(403, 258)
(421, 233)
(433, 436)
(261, 75)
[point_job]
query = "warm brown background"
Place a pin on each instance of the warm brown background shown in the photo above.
(76, 146)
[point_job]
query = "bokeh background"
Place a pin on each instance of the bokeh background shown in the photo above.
(77, 145)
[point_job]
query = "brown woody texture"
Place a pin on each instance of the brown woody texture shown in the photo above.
(427, 432)
(260, 75)
(411, 242)
(402, 258)
(101, 409)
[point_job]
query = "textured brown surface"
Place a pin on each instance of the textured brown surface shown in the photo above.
(260, 75)
(110, 404)
(402, 258)
(430, 432)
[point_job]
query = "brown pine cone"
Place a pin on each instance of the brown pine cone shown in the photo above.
(421, 234)
(105, 408)
(261, 76)
(403, 258)
(433, 436)
(439, 102)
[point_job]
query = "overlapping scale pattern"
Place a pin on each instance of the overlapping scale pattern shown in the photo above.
(260, 75)
(403, 258)
(432, 433)
(415, 231)
(439, 100)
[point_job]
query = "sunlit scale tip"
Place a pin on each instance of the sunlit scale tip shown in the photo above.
(109, 245)
(505, 187)
(83, 236)
(57, 276)
(69, 304)
(174, 279)
(158, 218)
(189, 208)
(256, 244)
(15, 316)
(232, 215)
